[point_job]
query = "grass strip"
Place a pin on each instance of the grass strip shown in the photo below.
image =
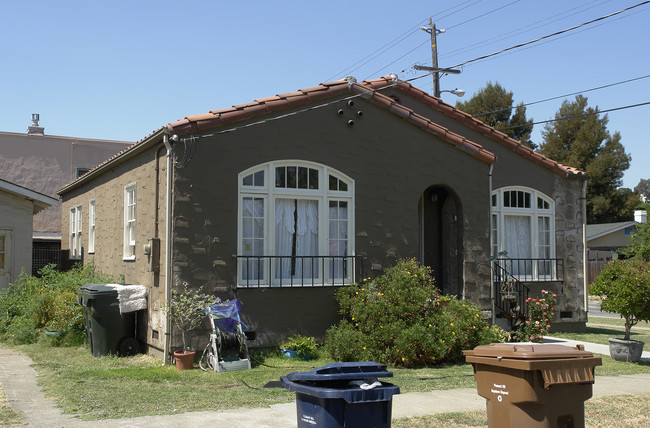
(8, 416)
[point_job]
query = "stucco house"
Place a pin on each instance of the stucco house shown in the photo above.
(43, 163)
(280, 201)
(18, 206)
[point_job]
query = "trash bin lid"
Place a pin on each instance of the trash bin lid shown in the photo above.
(351, 392)
(341, 371)
(98, 289)
(528, 351)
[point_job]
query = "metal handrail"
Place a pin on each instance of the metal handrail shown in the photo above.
(533, 270)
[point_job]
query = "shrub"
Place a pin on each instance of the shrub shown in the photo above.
(401, 318)
(624, 286)
(32, 305)
(303, 345)
(538, 321)
(187, 309)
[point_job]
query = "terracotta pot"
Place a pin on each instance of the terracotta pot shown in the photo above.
(184, 359)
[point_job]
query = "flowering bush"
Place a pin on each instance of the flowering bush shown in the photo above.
(401, 318)
(187, 308)
(540, 313)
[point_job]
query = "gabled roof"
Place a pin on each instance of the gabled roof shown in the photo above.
(322, 93)
(598, 230)
(40, 201)
(333, 92)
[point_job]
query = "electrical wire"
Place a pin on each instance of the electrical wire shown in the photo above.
(482, 15)
(549, 35)
(563, 96)
(578, 115)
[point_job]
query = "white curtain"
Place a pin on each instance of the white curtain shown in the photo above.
(296, 219)
(517, 242)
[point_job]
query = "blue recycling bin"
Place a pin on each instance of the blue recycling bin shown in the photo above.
(343, 395)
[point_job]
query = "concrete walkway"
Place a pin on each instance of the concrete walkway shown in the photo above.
(18, 380)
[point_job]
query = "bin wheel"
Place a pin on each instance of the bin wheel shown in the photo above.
(128, 347)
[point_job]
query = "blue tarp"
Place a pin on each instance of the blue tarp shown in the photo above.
(226, 315)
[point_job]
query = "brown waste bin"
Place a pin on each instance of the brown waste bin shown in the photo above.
(533, 385)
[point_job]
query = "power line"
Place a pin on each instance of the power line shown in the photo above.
(550, 35)
(482, 15)
(564, 96)
(577, 116)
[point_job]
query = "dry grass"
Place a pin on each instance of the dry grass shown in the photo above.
(619, 411)
(8, 416)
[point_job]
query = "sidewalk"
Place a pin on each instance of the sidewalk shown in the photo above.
(18, 380)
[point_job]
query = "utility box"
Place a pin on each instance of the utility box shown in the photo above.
(110, 317)
(533, 385)
(343, 395)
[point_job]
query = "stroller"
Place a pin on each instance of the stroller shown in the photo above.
(227, 349)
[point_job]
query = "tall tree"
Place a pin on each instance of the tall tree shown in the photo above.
(579, 138)
(493, 105)
(643, 189)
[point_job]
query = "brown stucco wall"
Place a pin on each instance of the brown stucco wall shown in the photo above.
(392, 163)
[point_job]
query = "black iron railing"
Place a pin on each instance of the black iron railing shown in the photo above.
(298, 271)
(533, 270)
(510, 294)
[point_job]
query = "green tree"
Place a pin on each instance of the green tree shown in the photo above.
(643, 189)
(493, 105)
(579, 138)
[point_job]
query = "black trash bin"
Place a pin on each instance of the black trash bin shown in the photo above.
(343, 395)
(108, 330)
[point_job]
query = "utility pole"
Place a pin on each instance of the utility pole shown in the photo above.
(431, 29)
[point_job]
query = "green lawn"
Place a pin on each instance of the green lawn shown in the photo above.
(600, 329)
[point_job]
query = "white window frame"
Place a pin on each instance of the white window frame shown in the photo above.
(91, 226)
(76, 226)
(130, 218)
(534, 213)
(269, 194)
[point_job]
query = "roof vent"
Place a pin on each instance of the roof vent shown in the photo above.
(35, 129)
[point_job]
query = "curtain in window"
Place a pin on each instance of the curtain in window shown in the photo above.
(517, 242)
(253, 238)
(296, 238)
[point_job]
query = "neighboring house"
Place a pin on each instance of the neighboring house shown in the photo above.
(604, 240)
(44, 163)
(18, 206)
(281, 200)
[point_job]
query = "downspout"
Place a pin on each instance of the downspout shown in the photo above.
(168, 244)
(584, 246)
(492, 291)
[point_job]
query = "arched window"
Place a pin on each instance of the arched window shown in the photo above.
(523, 231)
(295, 225)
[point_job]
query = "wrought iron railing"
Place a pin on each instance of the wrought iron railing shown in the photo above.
(510, 294)
(298, 271)
(533, 270)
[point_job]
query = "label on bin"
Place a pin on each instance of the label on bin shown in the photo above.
(500, 390)
(308, 419)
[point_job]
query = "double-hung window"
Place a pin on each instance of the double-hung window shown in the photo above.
(75, 232)
(91, 226)
(295, 225)
(523, 229)
(129, 222)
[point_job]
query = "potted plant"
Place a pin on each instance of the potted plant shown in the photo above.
(624, 287)
(298, 346)
(187, 311)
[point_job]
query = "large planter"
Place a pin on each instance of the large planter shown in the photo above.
(625, 350)
(184, 359)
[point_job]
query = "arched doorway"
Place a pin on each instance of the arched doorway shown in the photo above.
(441, 237)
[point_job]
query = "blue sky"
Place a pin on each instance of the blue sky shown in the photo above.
(122, 69)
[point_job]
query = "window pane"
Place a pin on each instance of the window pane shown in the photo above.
(302, 177)
(343, 186)
(259, 178)
(247, 227)
(2, 261)
(292, 177)
(313, 178)
(506, 199)
(343, 209)
(248, 180)
(280, 177)
(259, 208)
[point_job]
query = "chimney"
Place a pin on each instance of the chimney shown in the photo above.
(35, 129)
(640, 215)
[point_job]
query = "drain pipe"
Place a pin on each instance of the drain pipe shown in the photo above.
(168, 244)
(584, 246)
(492, 290)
